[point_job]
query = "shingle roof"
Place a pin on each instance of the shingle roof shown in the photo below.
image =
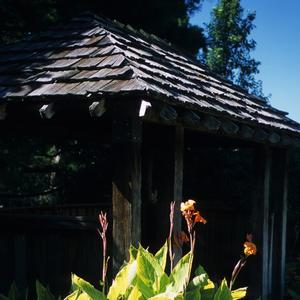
(95, 56)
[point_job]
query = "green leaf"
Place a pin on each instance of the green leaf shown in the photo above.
(200, 270)
(43, 293)
(78, 295)
(87, 288)
(223, 292)
(198, 282)
(123, 280)
(239, 293)
(179, 275)
(208, 291)
(132, 253)
(151, 278)
(168, 296)
(193, 295)
(135, 294)
(15, 294)
(2, 297)
(161, 255)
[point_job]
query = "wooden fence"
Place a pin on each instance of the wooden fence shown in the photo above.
(48, 243)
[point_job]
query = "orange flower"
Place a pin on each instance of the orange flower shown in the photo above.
(250, 248)
(199, 218)
(188, 205)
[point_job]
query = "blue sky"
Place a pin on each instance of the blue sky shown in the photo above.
(277, 34)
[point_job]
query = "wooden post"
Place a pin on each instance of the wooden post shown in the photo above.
(126, 185)
(178, 182)
(265, 226)
(279, 210)
(259, 285)
(163, 146)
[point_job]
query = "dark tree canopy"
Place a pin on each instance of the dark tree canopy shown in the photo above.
(229, 45)
(168, 19)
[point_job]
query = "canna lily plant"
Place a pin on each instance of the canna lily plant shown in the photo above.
(145, 275)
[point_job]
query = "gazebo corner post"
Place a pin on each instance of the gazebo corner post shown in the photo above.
(178, 182)
(266, 280)
(260, 285)
(126, 181)
(279, 194)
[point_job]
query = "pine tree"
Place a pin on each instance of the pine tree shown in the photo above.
(229, 45)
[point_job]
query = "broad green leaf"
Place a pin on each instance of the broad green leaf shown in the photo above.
(168, 296)
(161, 255)
(180, 273)
(43, 293)
(84, 296)
(198, 282)
(200, 270)
(151, 278)
(15, 294)
(135, 294)
(208, 291)
(132, 253)
(78, 295)
(223, 292)
(73, 296)
(2, 297)
(239, 293)
(193, 295)
(87, 288)
(123, 280)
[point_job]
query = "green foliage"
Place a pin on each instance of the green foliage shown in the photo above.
(229, 45)
(43, 293)
(15, 294)
(144, 277)
(85, 287)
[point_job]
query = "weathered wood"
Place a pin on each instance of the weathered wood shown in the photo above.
(247, 132)
(126, 186)
(259, 269)
(265, 226)
(3, 111)
(274, 138)
(229, 127)
(212, 123)
(168, 113)
(20, 261)
(279, 210)
(47, 111)
(191, 118)
(260, 135)
(143, 108)
(97, 108)
(178, 183)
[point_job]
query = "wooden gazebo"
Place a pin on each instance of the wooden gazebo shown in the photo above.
(134, 90)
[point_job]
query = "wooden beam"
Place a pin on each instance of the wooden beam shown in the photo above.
(97, 108)
(126, 185)
(260, 135)
(229, 127)
(247, 132)
(168, 113)
(3, 111)
(191, 118)
(47, 111)
(143, 108)
(212, 123)
(274, 138)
